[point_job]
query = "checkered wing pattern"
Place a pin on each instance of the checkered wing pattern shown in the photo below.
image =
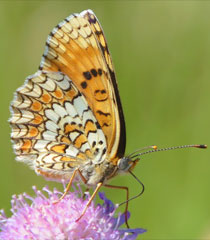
(69, 112)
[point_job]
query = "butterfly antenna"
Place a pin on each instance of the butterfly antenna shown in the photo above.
(138, 195)
(154, 147)
(170, 148)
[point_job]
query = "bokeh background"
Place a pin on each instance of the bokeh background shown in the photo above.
(161, 54)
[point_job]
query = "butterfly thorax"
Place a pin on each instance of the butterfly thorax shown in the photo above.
(95, 173)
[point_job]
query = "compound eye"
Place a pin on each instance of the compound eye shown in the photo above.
(123, 164)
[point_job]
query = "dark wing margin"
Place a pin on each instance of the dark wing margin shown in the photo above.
(122, 141)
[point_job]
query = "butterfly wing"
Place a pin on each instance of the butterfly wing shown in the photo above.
(77, 47)
(53, 128)
(70, 112)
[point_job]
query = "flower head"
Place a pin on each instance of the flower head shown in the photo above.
(39, 218)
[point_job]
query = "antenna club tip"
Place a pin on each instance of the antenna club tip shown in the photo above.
(201, 146)
(154, 147)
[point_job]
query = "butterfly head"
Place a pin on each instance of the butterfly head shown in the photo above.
(127, 163)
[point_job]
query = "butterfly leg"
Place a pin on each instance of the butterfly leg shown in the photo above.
(82, 177)
(90, 200)
(85, 181)
(68, 186)
(127, 197)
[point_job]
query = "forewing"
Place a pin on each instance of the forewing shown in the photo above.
(77, 47)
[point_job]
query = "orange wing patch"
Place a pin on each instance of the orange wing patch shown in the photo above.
(60, 148)
(36, 106)
(26, 147)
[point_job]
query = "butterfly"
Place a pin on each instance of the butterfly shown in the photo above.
(67, 119)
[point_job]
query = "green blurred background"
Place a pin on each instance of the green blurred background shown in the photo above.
(161, 54)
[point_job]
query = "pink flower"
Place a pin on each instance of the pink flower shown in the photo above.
(41, 219)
